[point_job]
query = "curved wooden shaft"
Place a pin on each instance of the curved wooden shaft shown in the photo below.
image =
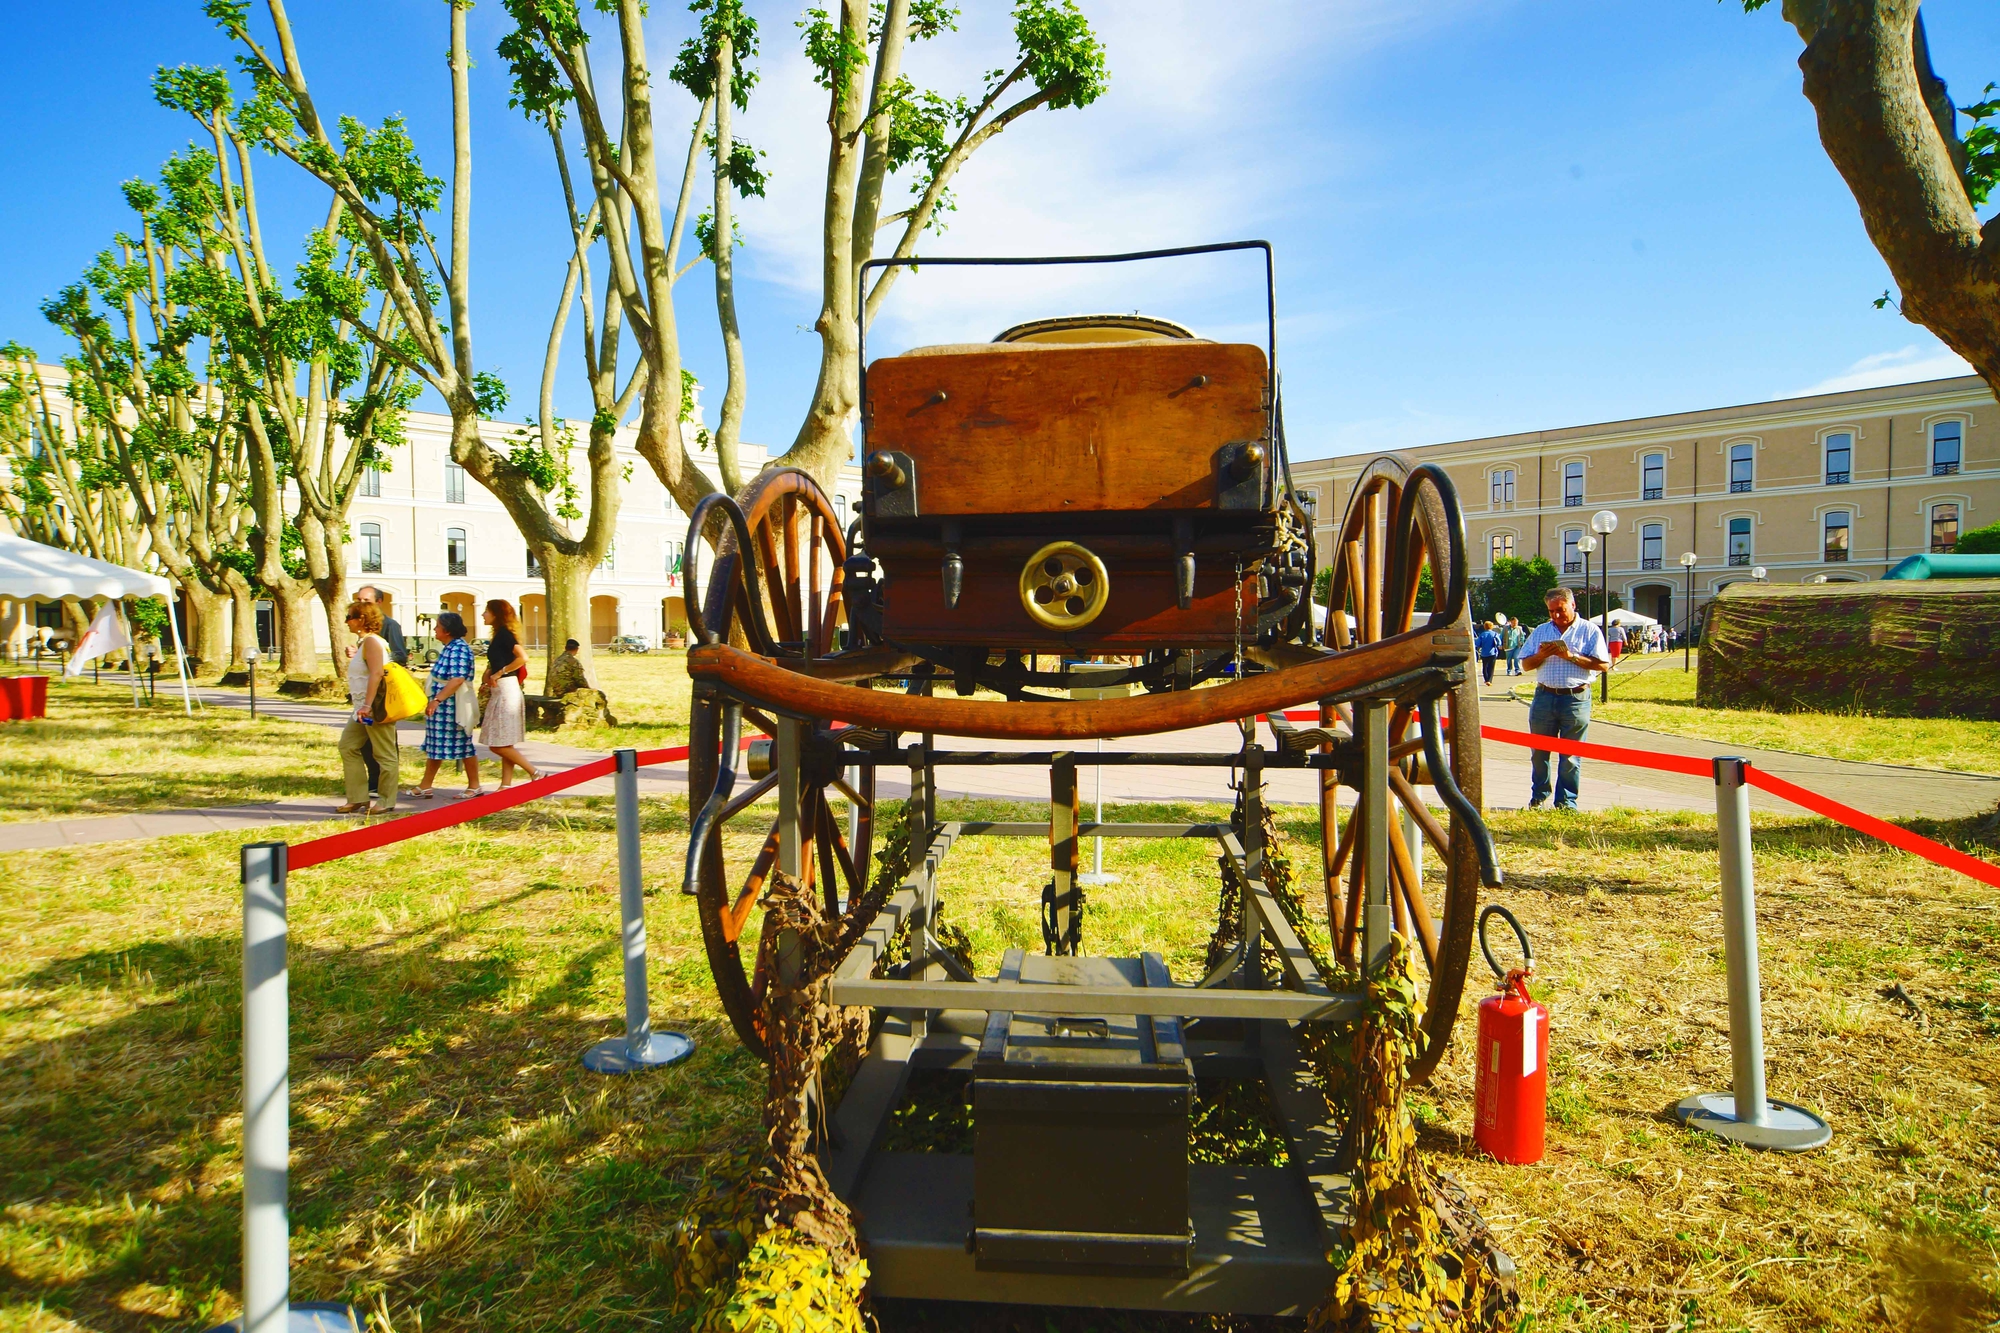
(752, 677)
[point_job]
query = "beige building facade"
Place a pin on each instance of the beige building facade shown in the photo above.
(1837, 487)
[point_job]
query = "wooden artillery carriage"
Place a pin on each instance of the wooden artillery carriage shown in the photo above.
(1091, 488)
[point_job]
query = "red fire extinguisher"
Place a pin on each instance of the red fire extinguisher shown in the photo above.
(1510, 1093)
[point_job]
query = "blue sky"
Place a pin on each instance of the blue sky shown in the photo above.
(1490, 215)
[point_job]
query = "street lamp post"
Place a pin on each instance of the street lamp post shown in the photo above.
(1604, 523)
(1688, 562)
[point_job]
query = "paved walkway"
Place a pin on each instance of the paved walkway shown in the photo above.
(1883, 790)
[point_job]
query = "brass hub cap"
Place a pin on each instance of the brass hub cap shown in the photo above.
(1064, 586)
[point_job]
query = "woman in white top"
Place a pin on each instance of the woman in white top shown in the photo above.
(366, 731)
(504, 724)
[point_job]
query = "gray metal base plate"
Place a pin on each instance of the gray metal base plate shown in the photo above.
(310, 1317)
(615, 1057)
(1257, 1246)
(1789, 1128)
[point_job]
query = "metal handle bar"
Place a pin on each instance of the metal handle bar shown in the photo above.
(1005, 261)
(1490, 911)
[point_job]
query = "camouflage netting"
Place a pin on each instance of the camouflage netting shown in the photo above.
(1900, 649)
(1420, 1257)
(769, 1248)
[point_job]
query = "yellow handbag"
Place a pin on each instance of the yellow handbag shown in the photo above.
(401, 695)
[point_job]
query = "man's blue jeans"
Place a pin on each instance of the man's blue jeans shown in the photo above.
(1566, 716)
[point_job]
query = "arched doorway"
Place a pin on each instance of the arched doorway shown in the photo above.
(1655, 600)
(673, 618)
(466, 607)
(534, 620)
(603, 621)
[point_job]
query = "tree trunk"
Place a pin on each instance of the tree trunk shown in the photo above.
(566, 580)
(243, 620)
(295, 605)
(208, 636)
(1862, 78)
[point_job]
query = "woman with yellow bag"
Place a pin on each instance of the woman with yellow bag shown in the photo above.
(372, 727)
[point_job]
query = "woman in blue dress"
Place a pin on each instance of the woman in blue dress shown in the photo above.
(450, 681)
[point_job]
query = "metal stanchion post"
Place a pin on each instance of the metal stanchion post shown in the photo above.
(640, 1047)
(1745, 1114)
(267, 1255)
(1096, 875)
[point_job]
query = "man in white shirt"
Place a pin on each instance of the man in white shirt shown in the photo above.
(1565, 653)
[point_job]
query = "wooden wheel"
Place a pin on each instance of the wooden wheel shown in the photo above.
(1398, 524)
(777, 580)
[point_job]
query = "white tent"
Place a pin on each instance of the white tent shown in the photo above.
(1629, 618)
(30, 571)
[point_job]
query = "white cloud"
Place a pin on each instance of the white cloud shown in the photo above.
(1906, 365)
(1203, 135)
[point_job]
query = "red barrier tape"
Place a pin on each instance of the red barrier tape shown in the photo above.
(1948, 857)
(321, 850)
(318, 851)
(1617, 754)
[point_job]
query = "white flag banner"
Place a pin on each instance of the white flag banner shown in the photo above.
(106, 634)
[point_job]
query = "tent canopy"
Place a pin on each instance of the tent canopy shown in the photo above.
(1623, 617)
(30, 571)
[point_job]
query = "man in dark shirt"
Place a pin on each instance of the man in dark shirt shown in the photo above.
(399, 653)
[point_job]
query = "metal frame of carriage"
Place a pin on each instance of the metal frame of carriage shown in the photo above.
(767, 652)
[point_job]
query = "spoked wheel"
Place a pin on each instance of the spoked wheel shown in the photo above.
(1397, 524)
(777, 579)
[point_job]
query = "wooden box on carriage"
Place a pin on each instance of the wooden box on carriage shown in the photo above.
(1080, 495)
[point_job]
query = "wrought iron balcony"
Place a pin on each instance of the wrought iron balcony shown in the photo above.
(1743, 559)
(371, 564)
(1837, 554)
(1572, 502)
(1836, 478)
(1572, 566)
(1736, 486)
(456, 568)
(1650, 562)
(1654, 493)
(1943, 469)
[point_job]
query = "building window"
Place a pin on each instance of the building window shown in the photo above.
(1944, 528)
(1839, 459)
(1837, 524)
(609, 564)
(1653, 477)
(1572, 558)
(840, 505)
(1501, 547)
(1503, 488)
(674, 552)
(534, 565)
(454, 484)
(1742, 466)
(1652, 544)
(1572, 485)
(1947, 447)
(371, 482)
(371, 548)
(1739, 541)
(454, 552)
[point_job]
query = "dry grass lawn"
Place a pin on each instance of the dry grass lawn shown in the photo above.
(95, 754)
(457, 1167)
(1653, 691)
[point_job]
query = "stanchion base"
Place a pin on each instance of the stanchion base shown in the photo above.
(310, 1317)
(615, 1057)
(1093, 878)
(1788, 1128)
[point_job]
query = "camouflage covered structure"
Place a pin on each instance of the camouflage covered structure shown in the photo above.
(1900, 649)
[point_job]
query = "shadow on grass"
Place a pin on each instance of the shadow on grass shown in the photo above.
(447, 1144)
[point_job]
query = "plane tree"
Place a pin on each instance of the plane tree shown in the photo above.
(1892, 131)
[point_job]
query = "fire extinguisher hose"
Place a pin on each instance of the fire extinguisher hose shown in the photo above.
(1486, 914)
